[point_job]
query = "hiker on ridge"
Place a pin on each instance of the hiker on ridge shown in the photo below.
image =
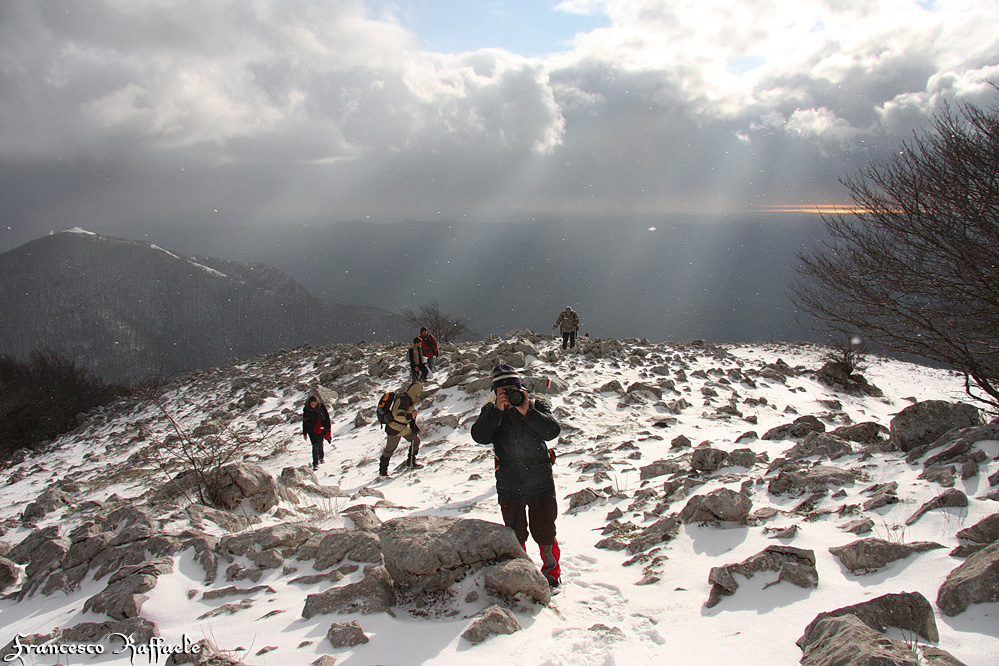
(417, 368)
(316, 427)
(569, 321)
(403, 425)
(429, 348)
(518, 426)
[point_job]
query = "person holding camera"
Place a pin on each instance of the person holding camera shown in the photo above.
(518, 426)
(402, 425)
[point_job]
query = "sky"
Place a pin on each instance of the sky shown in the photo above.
(615, 607)
(120, 115)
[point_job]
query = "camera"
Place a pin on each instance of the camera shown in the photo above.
(516, 396)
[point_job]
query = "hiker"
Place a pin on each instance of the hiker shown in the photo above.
(417, 368)
(429, 348)
(569, 321)
(403, 425)
(316, 427)
(518, 426)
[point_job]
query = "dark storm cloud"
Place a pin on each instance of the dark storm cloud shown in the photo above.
(118, 114)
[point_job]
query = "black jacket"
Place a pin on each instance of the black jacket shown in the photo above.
(310, 416)
(524, 467)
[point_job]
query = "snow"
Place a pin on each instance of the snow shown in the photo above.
(602, 616)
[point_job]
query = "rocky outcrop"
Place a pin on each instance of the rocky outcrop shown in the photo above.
(847, 641)
(799, 480)
(922, 423)
(865, 555)
(793, 565)
(722, 505)
(125, 592)
(976, 537)
(974, 582)
(491, 621)
(797, 429)
(949, 499)
(430, 553)
(373, 594)
(909, 611)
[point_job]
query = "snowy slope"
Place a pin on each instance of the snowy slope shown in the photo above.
(612, 609)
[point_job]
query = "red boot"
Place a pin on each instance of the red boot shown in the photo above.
(550, 566)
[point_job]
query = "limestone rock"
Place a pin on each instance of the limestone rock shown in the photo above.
(723, 504)
(490, 622)
(923, 422)
(794, 565)
(908, 611)
(872, 553)
(974, 582)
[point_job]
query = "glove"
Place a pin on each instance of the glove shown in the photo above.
(329, 436)
(551, 454)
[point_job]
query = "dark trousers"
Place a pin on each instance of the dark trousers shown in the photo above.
(317, 447)
(535, 515)
(568, 339)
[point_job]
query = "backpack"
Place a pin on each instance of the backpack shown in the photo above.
(384, 409)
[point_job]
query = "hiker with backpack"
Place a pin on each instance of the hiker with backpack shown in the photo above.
(569, 321)
(316, 427)
(417, 368)
(429, 349)
(401, 425)
(518, 426)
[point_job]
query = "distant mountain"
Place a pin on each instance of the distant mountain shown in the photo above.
(123, 308)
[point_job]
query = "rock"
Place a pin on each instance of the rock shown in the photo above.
(284, 536)
(859, 526)
(139, 628)
(952, 498)
(741, 458)
(924, 422)
(821, 444)
(797, 429)
(909, 611)
(815, 479)
(722, 504)
(659, 468)
(364, 517)
(247, 481)
(346, 634)
(515, 580)
(489, 622)
(9, 573)
(707, 459)
(581, 499)
(430, 553)
(794, 565)
(867, 432)
(974, 582)
(50, 500)
(664, 529)
(976, 537)
(340, 544)
(847, 641)
(372, 594)
(866, 555)
(125, 592)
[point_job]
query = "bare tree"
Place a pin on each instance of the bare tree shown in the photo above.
(444, 326)
(913, 267)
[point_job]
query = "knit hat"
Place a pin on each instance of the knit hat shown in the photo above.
(505, 375)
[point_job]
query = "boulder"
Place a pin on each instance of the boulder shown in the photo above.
(723, 504)
(430, 553)
(796, 429)
(847, 641)
(952, 498)
(798, 481)
(793, 565)
(924, 422)
(517, 580)
(247, 481)
(868, 554)
(9, 573)
(821, 444)
(341, 543)
(372, 594)
(283, 536)
(867, 432)
(489, 622)
(977, 536)
(139, 628)
(707, 459)
(909, 611)
(974, 582)
(346, 634)
(125, 592)
(664, 529)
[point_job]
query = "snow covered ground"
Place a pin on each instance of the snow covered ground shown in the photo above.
(602, 615)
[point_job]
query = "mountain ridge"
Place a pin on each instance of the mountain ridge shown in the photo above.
(126, 309)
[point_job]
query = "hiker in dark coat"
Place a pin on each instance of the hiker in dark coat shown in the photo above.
(417, 368)
(518, 426)
(403, 425)
(568, 320)
(316, 427)
(430, 350)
